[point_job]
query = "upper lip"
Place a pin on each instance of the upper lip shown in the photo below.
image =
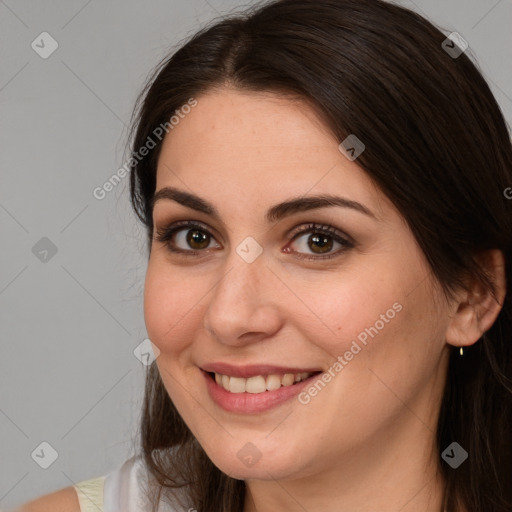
(252, 370)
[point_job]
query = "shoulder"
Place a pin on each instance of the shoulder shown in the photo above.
(64, 500)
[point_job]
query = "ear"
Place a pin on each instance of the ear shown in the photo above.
(477, 308)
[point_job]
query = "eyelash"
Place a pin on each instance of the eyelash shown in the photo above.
(164, 235)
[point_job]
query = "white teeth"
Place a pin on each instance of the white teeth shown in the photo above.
(236, 384)
(255, 384)
(259, 383)
(288, 379)
(273, 382)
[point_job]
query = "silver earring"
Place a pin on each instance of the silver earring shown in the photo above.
(461, 351)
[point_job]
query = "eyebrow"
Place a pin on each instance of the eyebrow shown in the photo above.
(277, 212)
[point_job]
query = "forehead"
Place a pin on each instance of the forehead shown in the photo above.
(272, 146)
(262, 123)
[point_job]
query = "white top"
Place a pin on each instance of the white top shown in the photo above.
(126, 489)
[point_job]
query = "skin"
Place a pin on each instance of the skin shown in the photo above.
(64, 500)
(366, 442)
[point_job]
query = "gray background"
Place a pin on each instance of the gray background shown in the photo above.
(69, 325)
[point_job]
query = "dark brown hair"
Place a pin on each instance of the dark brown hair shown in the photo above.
(436, 144)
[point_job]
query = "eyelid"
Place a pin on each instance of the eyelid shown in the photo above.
(315, 226)
(174, 226)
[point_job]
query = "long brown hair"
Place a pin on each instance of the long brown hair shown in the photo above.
(436, 144)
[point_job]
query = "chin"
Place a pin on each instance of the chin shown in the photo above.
(250, 462)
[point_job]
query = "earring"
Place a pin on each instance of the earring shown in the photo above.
(461, 351)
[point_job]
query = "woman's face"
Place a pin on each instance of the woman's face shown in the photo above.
(252, 294)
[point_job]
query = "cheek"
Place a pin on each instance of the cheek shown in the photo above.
(170, 306)
(390, 348)
(379, 328)
(352, 310)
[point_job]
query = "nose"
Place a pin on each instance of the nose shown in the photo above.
(243, 305)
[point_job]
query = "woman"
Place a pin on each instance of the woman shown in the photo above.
(324, 188)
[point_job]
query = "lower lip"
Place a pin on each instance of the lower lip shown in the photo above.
(250, 403)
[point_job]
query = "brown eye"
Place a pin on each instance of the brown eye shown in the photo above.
(184, 237)
(197, 239)
(320, 242)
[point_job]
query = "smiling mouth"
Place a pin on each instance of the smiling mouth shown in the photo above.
(259, 383)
